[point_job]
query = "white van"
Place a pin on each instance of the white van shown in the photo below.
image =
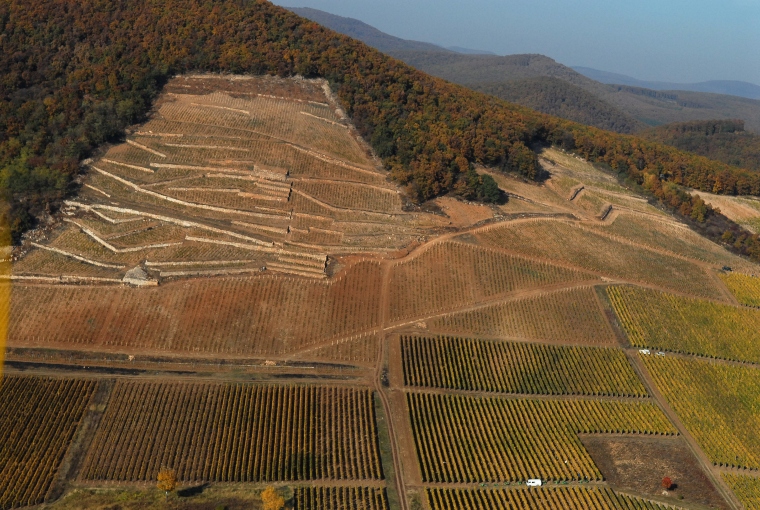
(534, 482)
(644, 351)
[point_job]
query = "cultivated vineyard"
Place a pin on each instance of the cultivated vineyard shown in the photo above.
(243, 315)
(340, 498)
(511, 367)
(566, 316)
(746, 288)
(693, 326)
(464, 439)
(746, 488)
(235, 433)
(450, 274)
(554, 498)
(718, 403)
(596, 252)
(38, 419)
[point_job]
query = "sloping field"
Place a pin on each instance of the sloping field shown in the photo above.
(451, 274)
(718, 403)
(688, 325)
(243, 315)
(548, 498)
(571, 316)
(670, 236)
(744, 211)
(508, 367)
(563, 242)
(235, 433)
(229, 180)
(744, 287)
(466, 439)
(38, 419)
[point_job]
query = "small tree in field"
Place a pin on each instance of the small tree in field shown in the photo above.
(272, 500)
(667, 483)
(167, 480)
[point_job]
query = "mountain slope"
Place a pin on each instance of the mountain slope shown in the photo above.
(76, 80)
(724, 141)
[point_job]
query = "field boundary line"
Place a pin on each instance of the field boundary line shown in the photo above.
(145, 148)
(76, 257)
(114, 249)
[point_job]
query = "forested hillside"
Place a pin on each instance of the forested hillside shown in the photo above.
(722, 140)
(75, 73)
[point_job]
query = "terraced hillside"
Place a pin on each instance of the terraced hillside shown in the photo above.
(238, 293)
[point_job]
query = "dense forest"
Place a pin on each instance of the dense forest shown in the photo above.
(563, 99)
(721, 140)
(75, 73)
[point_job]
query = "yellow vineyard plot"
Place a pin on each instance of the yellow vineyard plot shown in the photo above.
(718, 403)
(601, 498)
(746, 488)
(746, 288)
(466, 439)
(693, 326)
(516, 367)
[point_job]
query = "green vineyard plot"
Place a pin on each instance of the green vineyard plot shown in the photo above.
(746, 488)
(746, 288)
(467, 439)
(511, 367)
(235, 433)
(718, 403)
(688, 325)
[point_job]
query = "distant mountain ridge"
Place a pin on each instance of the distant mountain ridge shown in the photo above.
(540, 83)
(729, 87)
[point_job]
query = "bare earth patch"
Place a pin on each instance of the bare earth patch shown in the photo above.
(639, 464)
(463, 214)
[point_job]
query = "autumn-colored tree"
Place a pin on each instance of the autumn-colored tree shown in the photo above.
(271, 499)
(167, 480)
(667, 483)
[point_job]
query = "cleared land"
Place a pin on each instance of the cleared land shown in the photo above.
(235, 433)
(687, 325)
(466, 439)
(38, 420)
(571, 316)
(508, 367)
(719, 404)
(549, 498)
(638, 464)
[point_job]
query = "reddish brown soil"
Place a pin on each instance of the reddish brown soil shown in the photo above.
(638, 464)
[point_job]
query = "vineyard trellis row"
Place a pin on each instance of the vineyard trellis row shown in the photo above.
(744, 287)
(688, 325)
(466, 439)
(235, 433)
(38, 420)
(340, 498)
(746, 488)
(566, 498)
(516, 367)
(718, 403)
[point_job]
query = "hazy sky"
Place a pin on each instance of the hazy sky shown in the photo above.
(665, 40)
